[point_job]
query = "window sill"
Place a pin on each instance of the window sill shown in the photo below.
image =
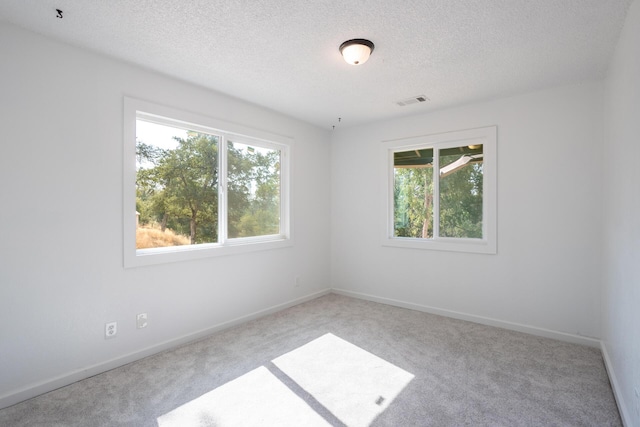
(154, 256)
(442, 244)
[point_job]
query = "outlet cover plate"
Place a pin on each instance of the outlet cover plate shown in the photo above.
(141, 320)
(110, 330)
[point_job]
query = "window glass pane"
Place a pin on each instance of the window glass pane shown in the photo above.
(461, 191)
(176, 186)
(253, 183)
(413, 193)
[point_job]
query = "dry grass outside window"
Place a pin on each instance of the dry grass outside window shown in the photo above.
(150, 237)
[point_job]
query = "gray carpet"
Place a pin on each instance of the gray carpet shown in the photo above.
(343, 362)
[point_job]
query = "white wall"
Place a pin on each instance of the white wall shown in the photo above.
(61, 255)
(621, 289)
(547, 271)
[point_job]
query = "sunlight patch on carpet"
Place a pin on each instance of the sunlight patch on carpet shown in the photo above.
(257, 398)
(353, 384)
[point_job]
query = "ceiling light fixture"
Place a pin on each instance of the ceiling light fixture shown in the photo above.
(356, 51)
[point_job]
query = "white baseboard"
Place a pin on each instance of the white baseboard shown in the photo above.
(547, 333)
(34, 390)
(622, 408)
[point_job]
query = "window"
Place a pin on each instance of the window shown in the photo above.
(198, 187)
(440, 191)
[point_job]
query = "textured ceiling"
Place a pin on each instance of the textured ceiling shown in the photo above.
(283, 54)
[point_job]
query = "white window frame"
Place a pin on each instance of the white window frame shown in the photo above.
(134, 109)
(487, 136)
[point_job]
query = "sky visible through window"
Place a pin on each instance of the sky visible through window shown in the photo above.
(159, 135)
(163, 136)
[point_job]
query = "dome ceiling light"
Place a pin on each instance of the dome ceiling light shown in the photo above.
(356, 51)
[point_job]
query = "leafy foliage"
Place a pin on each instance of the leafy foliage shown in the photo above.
(413, 202)
(254, 191)
(460, 201)
(178, 188)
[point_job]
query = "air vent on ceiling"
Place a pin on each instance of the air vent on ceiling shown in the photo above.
(412, 100)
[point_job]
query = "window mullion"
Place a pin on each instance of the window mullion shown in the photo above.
(436, 193)
(222, 191)
(284, 219)
(390, 195)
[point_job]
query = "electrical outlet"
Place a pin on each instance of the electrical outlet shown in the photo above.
(110, 329)
(141, 320)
